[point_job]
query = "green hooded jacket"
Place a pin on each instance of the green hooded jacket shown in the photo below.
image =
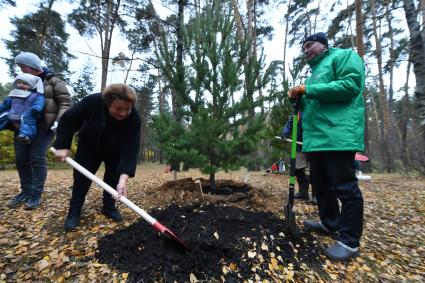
(333, 106)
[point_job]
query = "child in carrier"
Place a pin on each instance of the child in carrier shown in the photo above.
(22, 107)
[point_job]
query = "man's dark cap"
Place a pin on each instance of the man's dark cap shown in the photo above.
(318, 37)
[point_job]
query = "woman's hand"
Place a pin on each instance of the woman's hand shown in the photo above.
(122, 186)
(62, 154)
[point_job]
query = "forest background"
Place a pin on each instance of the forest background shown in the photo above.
(207, 96)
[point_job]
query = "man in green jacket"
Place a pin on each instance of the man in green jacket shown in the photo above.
(333, 130)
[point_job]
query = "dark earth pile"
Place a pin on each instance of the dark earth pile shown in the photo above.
(227, 242)
(223, 186)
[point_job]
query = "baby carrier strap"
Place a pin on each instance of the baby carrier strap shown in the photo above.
(20, 105)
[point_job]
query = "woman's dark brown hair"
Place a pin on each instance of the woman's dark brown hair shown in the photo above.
(118, 91)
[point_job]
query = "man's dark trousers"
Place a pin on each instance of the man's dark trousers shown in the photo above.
(333, 176)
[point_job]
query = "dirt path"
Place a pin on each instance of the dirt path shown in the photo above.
(34, 247)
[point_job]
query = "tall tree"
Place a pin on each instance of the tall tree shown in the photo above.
(383, 109)
(405, 115)
(84, 85)
(101, 17)
(417, 55)
(145, 105)
(42, 33)
(4, 90)
(7, 2)
(361, 51)
(285, 40)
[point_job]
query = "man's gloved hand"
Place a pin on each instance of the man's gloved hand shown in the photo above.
(296, 91)
(285, 133)
(54, 127)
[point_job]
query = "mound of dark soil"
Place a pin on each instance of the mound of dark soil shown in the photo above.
(225, 241)
(223, 186)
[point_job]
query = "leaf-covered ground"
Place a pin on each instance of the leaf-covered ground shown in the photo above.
(34, 246)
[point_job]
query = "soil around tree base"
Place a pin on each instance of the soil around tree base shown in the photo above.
(226, 243)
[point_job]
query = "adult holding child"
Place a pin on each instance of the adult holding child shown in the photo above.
(23, 107)
(30, 157)
(108, 129)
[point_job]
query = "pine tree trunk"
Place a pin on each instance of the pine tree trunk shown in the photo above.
(44, 28)
(375, 112)
(161, 94)
(392, 133)
(254, 51)
(179, 59)
(212, 182)
(129, 67)
(383, 109)
(285, 41)
(405, 115)
(238, 19)
(110, 22)
(361, 52)
(417, 55)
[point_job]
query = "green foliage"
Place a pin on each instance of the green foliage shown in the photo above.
(92, 17)
(4, 90)
(215, 131)
(145, 105)
(279, 115)
(7, 151)
(7, 2)
(84, 85)
(173, 140)
(42, 33)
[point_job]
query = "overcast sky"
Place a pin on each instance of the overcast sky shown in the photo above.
(78, 46)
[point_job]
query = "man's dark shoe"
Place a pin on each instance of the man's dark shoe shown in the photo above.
(319, 228)
(314, 200)
(17, 200)
(112, 213)
(341, 252)
(301, 196)
(33, 202)
(72, 221)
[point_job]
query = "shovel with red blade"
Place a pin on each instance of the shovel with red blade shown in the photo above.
(152, 221)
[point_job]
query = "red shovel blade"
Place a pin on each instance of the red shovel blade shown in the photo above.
(164, 230)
